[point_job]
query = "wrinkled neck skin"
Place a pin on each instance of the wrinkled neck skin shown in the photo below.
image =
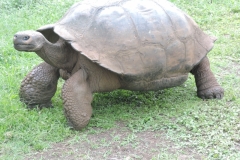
(60, 54)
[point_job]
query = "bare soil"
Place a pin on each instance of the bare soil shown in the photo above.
(117, 144)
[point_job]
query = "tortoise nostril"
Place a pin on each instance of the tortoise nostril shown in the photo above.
(15, 38)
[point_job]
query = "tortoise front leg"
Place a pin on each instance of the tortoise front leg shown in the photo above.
(77, 98)
(39, 86)
(207, 85)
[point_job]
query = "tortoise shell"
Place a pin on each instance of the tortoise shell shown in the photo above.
(133, 38)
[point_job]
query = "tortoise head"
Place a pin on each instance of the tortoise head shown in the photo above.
(59, 54)
(28, 41)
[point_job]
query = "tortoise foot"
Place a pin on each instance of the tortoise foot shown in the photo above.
(211, 93)
(77, 98)
(207, 85)
(39, 86)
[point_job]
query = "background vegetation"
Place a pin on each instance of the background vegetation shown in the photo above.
(211, 128)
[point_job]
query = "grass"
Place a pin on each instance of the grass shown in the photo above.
(211, 128)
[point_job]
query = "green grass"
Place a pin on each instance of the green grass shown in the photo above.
(211, 127)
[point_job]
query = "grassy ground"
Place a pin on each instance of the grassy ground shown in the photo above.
(175, 117)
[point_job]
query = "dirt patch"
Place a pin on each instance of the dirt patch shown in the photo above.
(117, 143)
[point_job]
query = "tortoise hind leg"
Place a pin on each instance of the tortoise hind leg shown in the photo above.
(207, 85)
(39, 86)
(77, 98)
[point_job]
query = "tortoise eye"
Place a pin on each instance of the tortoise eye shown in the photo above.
(26, 37)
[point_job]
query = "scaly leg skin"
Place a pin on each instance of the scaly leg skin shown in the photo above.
(207, 85)
(77, 98)
(39, 86)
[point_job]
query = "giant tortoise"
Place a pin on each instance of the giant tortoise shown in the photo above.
(101, 46)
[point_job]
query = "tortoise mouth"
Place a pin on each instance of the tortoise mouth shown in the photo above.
(23, 47)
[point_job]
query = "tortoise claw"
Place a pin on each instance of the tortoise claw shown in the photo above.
(211, 93)
(40, 106)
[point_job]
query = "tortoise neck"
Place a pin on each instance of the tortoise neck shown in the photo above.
(59, 54)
